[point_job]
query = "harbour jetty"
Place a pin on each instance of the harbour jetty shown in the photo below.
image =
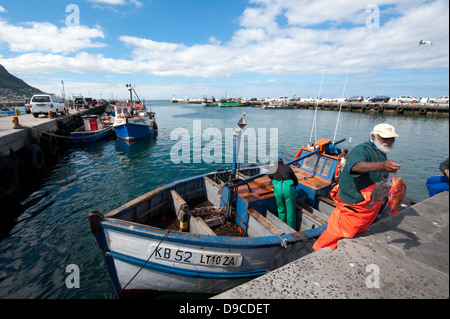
(400, 257)
(28, 143)
(364, 106)
(391, 107)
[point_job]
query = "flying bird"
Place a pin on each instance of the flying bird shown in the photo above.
(421, 42)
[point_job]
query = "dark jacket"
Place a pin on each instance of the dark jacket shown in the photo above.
(284, 173)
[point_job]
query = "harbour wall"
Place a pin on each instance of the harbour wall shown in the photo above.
(381, 107)
(25, 151)
(419, 108)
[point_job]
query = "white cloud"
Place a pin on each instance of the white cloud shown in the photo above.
(46, 37)
(261, 45)
(117, 2)
(2, 9)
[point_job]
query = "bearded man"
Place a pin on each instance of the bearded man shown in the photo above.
(367, 164)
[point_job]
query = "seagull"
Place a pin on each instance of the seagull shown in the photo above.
(421, 42)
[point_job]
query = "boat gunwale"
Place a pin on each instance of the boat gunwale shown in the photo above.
(113, 221)
(194, 239)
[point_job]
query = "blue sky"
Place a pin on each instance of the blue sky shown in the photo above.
(248, 48)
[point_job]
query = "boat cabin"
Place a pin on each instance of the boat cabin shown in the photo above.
(92, 123)
(126, 109)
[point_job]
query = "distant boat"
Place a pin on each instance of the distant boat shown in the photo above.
(94, 129)
(132, 121)
(210, 102)
(224, 103)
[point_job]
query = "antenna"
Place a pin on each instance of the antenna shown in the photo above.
(340, 107)
(313, 128)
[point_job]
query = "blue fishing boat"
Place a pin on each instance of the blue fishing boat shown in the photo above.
(132, 120)
(94, 129)
(210, 233)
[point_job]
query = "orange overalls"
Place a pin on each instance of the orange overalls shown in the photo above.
(348, 220)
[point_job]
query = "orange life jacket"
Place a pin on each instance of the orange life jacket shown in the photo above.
(348, 220)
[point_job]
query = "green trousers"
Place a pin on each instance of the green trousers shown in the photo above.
(285, 198)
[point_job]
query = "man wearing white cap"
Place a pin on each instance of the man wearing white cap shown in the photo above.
(367, 164)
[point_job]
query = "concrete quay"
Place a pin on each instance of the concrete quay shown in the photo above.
(25, 151)
(11, 140)
(400, 257)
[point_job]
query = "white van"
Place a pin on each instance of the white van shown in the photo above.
(42, 103)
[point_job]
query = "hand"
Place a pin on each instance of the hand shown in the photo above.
(391, 166)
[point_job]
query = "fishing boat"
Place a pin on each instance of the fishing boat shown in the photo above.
(210, 233)
(132, 121)
(239, 102)
(210, 102)
(94, 129)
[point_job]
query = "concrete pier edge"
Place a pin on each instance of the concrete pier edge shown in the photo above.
(401, 257)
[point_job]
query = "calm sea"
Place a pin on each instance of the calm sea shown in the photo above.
(50, 229)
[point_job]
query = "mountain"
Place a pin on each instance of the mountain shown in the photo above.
(11, 85)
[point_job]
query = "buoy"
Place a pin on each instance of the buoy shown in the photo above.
(9, 176)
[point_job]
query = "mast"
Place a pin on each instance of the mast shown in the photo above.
(340, 107)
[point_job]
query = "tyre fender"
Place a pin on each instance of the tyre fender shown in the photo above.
(9, 176)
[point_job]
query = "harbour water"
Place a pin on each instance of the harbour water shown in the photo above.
(49, 231)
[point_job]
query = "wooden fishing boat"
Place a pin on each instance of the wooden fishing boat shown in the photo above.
(94, 129)
(132, 121)
(209, 233)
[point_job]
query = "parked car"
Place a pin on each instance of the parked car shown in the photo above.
(43, 103)
(28, 106)
(380, 98)
(407, 99)
(355, 99)
(79, 101)
(439, 99)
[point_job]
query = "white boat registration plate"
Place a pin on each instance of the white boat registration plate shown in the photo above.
(188, 256)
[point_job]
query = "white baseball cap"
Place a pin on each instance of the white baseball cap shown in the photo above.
(385, 130)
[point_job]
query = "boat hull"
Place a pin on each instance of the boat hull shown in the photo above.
(131, 132)
(81, 136)
(146, 259)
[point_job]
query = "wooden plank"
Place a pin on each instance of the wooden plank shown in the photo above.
(304, 211)
(201, 227)
(327, 200)
(279, 223)
(211, 189)
(311, 181)
(267, 224)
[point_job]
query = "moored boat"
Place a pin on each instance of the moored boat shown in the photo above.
(94, 129)
(209, 233)
(210, 102)
(132, 121)
(225, 103)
